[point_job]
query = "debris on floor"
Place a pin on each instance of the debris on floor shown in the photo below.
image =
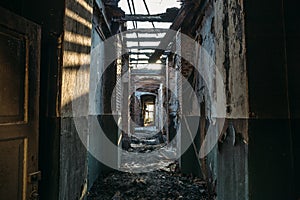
(146, 150)
(159, 177)
(145, 145)
(160, 185)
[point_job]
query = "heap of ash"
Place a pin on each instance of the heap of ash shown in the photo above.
(157, 185)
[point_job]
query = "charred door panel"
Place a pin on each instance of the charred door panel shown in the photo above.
(19, 94)
(12, 83)
(11, 172)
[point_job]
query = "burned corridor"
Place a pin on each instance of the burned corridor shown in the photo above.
(162, 99)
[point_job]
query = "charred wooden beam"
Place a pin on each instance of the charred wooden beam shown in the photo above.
(183, 19)
(146, 31)
(144, 39)
(168, 16)
(140, 63)
(147, 18)
(183, 12)
(139, 59)
(148, 54)
(142, 47)
(102, 25)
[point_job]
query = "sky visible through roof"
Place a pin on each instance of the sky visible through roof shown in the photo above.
(155, 7)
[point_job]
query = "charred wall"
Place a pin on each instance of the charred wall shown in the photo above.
(74, 101)
(252, 45)
(232, 150)
(95, 101)
(222, 89)
(103, 93)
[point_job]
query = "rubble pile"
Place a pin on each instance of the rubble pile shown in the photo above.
(160, 185)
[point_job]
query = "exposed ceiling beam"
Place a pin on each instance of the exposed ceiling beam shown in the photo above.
(138, 63)
(106, 31)
(143, 39)
(148, 54)
(138, 59)
(142, 47)
(168, 16)
(146, 31)
(183, 12)
(147, 18)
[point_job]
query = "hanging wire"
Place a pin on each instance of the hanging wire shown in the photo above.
(130, 10)
(134, 23)
(132, 2)
(148, 12)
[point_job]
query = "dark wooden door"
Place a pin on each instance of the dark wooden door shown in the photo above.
(19, 106)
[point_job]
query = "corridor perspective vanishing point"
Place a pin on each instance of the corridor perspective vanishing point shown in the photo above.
(149, 99)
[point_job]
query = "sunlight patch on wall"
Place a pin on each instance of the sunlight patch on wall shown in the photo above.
(79, 19)
(85, 5)
(72, 59)
(77, 39)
